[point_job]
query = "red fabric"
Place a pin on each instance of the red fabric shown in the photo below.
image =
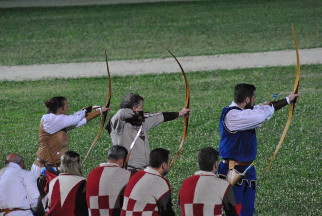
(93, 179)
(103, 202)
(218, 209)
(69, 206)
(49, 176)
(95, 212)
(105, 188)
(134, 179)
(187, 191)
(149, 207)
(130, 204)
(188, 188)
(55, 201)
(238, 208)
(202, 195)
(137, 181)
(198, 209)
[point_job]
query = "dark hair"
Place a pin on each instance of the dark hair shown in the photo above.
(207, 158)
(117, 152)
(242, 91)
(55, 103)
(131, 100)
(159, 156)
(70, 163)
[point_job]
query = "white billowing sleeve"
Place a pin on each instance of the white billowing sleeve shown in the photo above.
(241, 120)
(53, 123)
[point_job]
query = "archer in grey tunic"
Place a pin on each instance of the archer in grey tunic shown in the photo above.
(125, 124)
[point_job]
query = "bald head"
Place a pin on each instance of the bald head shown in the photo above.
(15, 158)
(10, 157)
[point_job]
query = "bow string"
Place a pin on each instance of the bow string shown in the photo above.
(131, 147)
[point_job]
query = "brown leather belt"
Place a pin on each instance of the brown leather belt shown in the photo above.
(46, 163)
(238, 163)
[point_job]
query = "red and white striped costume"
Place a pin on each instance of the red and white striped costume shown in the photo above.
(67, 196)
(105, 189)
(148, 194)
(203, 194)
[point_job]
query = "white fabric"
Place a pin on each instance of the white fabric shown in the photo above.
(210, 190)
(66, 182)
(112, 183)
(53, 123)
(247, 119)
(123, 133)
(148, 190)
(113, 180)
(18, 189)
(201, 172)
(36, 170)
(109, 164)
(151, 170)
(205, 193)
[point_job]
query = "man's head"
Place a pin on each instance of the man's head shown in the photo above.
(160, 160)
(57, 105)
(132, 101)
(117, 154)
(208, 159)
(70, 163)
(15, 158)
(245, 94)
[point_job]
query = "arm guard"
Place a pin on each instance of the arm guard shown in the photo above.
(279, 104)
(92, 115)
(169, 116)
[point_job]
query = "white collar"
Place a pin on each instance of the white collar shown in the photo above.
(109, 164)
(201, 172)
(151, 170)
(12, 164)
(233, 103)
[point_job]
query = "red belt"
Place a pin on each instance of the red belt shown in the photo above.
(238, 163)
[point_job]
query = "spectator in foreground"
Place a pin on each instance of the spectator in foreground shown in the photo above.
(148, 192)
(19, 194)
(106, 184)
(67, 192)
(204, 193)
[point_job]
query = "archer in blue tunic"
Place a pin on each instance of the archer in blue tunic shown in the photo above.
(238, 141)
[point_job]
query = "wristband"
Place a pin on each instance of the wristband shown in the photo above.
(288, 100)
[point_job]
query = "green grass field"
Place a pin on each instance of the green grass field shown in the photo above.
(136, 31)
(293, 183)
(80, 34)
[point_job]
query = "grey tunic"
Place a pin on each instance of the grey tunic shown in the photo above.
(123, 133)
